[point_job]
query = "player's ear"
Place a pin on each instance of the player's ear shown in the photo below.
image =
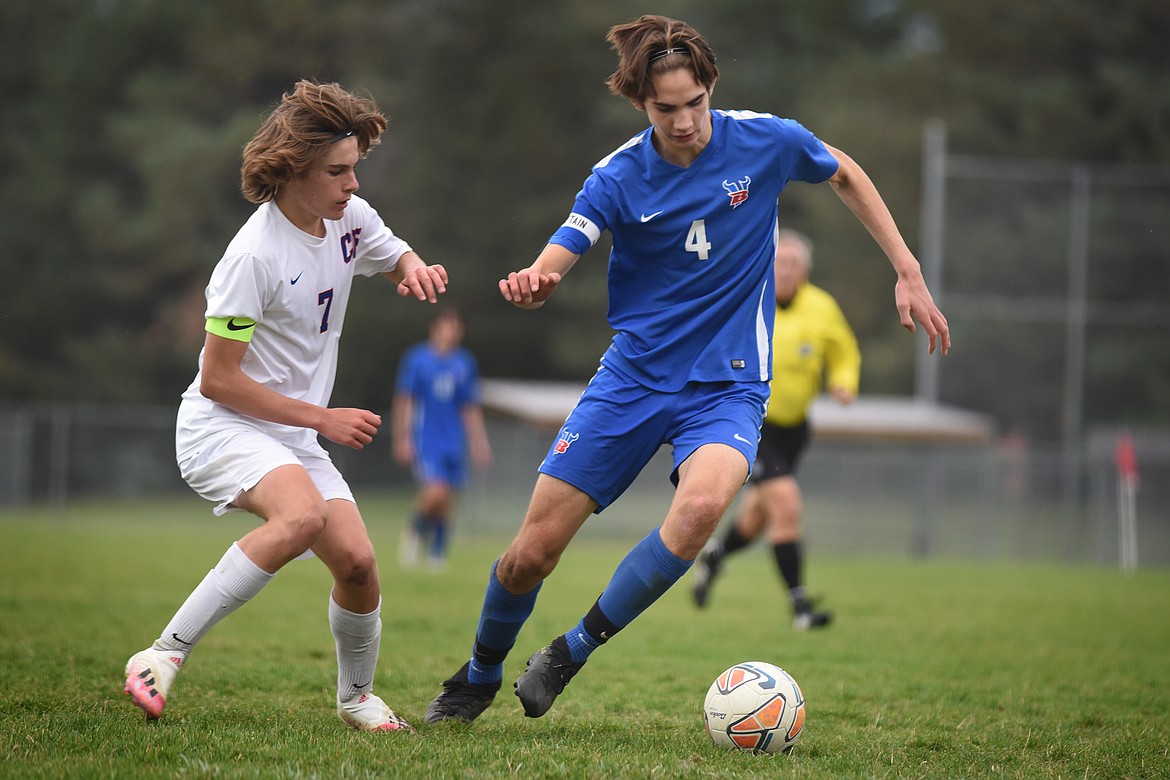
(638, 104)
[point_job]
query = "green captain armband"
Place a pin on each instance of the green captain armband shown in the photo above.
(234, 328)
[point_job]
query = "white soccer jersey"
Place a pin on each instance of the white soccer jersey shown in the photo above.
(296, 287)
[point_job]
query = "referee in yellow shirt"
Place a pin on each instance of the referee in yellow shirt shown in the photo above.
(812, 343)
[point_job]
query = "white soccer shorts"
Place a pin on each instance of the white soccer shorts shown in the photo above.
(221, 464)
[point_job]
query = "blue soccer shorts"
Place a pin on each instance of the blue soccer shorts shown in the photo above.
(618, 425)
(442, 466)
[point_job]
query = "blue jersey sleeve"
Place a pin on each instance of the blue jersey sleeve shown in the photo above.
(808, 160)
(591, 216)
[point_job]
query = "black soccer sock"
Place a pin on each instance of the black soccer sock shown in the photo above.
(733, 540)
(789, 558)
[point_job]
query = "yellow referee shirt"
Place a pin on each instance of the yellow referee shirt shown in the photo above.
(812, 340)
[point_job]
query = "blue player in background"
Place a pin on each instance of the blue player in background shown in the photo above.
(691, 206)
(438, 421)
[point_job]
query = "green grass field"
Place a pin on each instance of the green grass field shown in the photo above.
(936, 669)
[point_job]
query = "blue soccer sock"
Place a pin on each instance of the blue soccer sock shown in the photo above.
(500, 621)
(421, 525)
(644, 574)
(419, 522)
(439, 541)
(580, 643)
(594, 630)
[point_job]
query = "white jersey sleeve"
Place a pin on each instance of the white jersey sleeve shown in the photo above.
(379, 250)
(240, 286)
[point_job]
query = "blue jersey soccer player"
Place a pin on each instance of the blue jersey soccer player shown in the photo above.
(691, 206)
(438, 421)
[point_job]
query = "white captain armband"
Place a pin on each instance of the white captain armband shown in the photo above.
(234, 328)
(583, 225)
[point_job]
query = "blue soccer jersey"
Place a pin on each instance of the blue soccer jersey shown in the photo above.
(690, 274)
(440, 385)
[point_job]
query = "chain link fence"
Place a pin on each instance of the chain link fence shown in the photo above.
(1055, 277)
(1003, 500)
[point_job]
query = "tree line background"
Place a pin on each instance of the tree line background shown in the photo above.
(123, 120)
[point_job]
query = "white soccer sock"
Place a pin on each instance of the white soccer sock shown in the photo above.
(232, 583)
(358, 639)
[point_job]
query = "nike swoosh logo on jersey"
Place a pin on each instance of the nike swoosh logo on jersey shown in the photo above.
(296, 278)
(233, 326)
(737, 436)
(648, 217)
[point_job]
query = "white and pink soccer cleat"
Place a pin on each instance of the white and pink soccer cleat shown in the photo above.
(369, 713)
(149, 675)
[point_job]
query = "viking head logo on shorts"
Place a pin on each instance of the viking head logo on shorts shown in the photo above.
(564, 440)
(738, 192)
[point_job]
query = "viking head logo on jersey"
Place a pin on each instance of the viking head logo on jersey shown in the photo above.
(564, 440)
(738, 192)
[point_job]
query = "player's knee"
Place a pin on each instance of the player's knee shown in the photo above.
(303, 528)
(521, 569)
(786, 525)
(435, 500)
(357, 571)
(702, 510)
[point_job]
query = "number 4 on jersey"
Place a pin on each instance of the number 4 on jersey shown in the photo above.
(697, 239)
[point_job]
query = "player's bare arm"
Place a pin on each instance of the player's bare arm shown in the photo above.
(914, 301)
(477, 440)
(417, 279)
(532, 286)
(403, 417)
(223, 381)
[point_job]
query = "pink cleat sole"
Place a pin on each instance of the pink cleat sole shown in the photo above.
(145, 696)
(399, 726)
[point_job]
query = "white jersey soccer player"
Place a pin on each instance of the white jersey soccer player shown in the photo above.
(286, 293)
(247, 427)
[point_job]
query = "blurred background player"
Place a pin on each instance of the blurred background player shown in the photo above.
(811, 342)
(248, 424)
(438, 420)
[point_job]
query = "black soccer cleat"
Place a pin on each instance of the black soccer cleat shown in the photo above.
(546, 675)
(811, 618)
(461, 699)
(707, 568)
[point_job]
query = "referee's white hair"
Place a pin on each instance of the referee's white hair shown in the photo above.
(796, 237)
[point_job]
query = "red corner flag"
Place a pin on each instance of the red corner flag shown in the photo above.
(1126, 459)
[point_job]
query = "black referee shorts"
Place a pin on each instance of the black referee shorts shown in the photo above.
(780, 449)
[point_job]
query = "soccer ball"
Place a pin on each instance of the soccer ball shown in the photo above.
(754, 706)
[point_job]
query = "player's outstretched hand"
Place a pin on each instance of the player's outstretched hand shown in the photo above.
(915, 302)
(425, 283)
(351, 427)
(529, 289)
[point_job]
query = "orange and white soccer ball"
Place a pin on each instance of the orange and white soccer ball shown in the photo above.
(754, 706)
